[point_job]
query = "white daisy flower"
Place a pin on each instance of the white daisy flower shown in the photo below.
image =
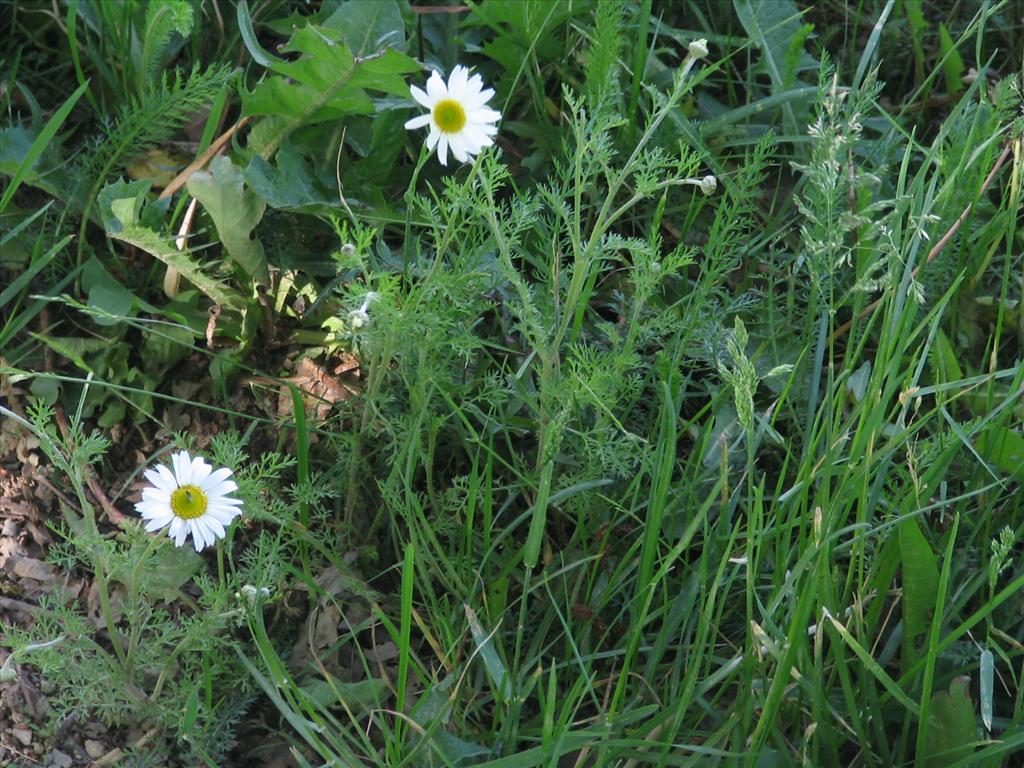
(458, 118)
(193, 500)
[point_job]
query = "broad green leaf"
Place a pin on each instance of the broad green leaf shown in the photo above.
(359, 698)
(915, 16)
(235, 211)
(291, 185)
(944, 363)
(484, 642)
(108, 296)
(112, 414)
(1004, 448)
(257, 51)
(325, 83)
(19, 284)
(47, 390)
(387, 140)
(952, 63)
(120, 207)
(45, 174)
(165, 250)
(168, 570)
(367, 26)
(772, 26)
(39, 145)
(986, 687)
(73, 348)
(164, 346)
(458, 751)
(327, 65)
(920, 586)
(191, 711)
(120, 204)
(287, 99)
(951, 725)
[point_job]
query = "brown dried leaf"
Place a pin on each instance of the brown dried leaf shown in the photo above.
(321, 389)
(30, 568)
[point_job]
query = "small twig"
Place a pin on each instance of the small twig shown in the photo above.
(39, 479)
(937, 248)
(115, 755)
(116, 517)
(172, 278)
(212, 151)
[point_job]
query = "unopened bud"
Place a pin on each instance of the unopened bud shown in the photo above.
(358, 319)
(698, 49)
(708, 185)
(252, 594)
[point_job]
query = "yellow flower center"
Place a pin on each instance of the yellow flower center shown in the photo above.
(188, 502)
(449, 115)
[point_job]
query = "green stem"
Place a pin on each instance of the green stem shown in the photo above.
(108, 618)
(133, 592)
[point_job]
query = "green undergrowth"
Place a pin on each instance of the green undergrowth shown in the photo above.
(687, 424)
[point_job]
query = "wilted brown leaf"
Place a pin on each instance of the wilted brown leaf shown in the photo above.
(321, 388)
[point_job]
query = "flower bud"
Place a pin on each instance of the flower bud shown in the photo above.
(358, 319)
(708, 185)
(252, 594)
(698, 49)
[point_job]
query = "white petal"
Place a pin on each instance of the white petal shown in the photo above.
(182, 467)
(474, 85)
(200, 471)
(458, 146)
(215, 479)
(442, 149)
(457, 82)
(221, 489)
(178, 531)
(170, 482)
(476, 138)
(483, 115)
(158, 481)
(223, 515)
(149, 510)
(436, 89)
(156, 496)
(214, 527)
(417, 122)
(421, 97)
(198, 535)
(432, 138)
(158, 522)
(477, 100)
